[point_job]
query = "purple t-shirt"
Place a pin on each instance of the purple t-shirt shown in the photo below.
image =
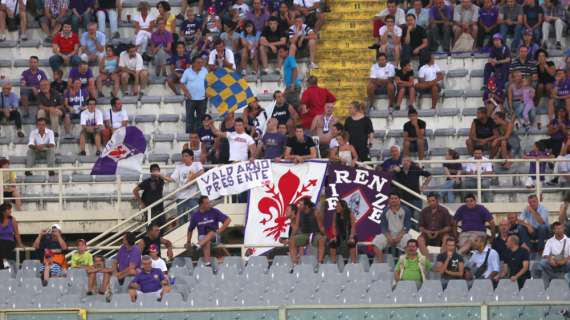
(77, 100)
(126, 257)
(33, 79)
(149, 282)
(206, 221)
(273, 144)
(161, 39)
(473, 219)
(7, 232)
(180, 63)
(435, 15)
(74, 74)
(558, 135)
(563, 87)
(488, 17)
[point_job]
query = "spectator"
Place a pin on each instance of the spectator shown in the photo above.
(499, 61)
(81, 258)
(381, 81)
(65, 47)
(221, 57)
(312, 12)
(430, 76)
(144, 24)
(473, 167)
(308, 228)
(271, 40)
(291, 77)
(300, 147)
(75, 100)
(492, 97)
(179, 62)
(555, 255)
(240, 142)
(249, 39)
(531, 43)
(520, 228)
(558, 129)
(127, 262)
(465, 17)
(390, 38)
(560, 95)
(301, 37)
(536, 215)
(421, 15)
(148, 281)
(50, 268)
(484, 262)
(395, 160)
(152, 188)
(408, 174)
(241, 7)
(508, 142)
(285, 16)
(258, 15)
(482, 133)
(563, 217)
(152, 237)
(344, 153)
(472, 217)
(360, 130)
(51, 240)
(11, 193)
(58, 84)
(336, 129)
(414, 135)
(273, 143)
(412, 266)
(546, 71)
(538, 152)
(228, 123)
(449, 263)
(82, 12)
(11, 17)
(41, 144)
(511, 21)
(452, 171)
(441, 18)
(554, 17)
(184, 173)
(499, 243)
(55, 13)
(109, 10)
(193, 86)
(314, 103)
(197, 147)
(207, 220)
(99, 268)
(488, 22)
(9, 107)
(92, 44)
(132, 69)
(525, 65)
(562, 167)
(91, 127)
(160, 47)
(405, 84)
(157, 261)
(51, 105)
(213, 22)
(231, 37)
(84, 73)
(435, 225)
(9, 234)
(343, 232)
(108, 73)
(284, 112)
(533, 16)
(30, 83)
(393, 10)
(394, 228)
(114, 119)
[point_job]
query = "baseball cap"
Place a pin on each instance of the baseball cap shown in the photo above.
(153, 248)
(55, 225)
(497, 36)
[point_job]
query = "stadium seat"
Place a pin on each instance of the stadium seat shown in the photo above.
(481, 291)
(456, 291)
(430, 292)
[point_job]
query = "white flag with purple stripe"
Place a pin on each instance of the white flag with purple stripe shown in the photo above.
(123, 154)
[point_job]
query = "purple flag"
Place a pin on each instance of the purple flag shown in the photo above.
(123, 154)
(365, 192)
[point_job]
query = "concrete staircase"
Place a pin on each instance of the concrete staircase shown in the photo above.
(342, 53)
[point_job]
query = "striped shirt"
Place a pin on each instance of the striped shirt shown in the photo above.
(55, 270)
(528, 68)
(295, 31)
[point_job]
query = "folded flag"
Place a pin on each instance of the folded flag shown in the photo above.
(227, 90)
(123, 154)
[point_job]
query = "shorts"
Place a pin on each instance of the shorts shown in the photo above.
(424, 91)
(381, 90)
(381, 242)
(304, 239)
(414, 145)
(90, 136)
(214, 243)
(175, 76)
(155, 294)
(469, 236)
(292, 98)
(437, 242)
(74, 115)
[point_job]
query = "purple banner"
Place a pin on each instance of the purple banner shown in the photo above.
(365, 192)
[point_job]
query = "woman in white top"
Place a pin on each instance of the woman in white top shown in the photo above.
(345, 153)
(144, 24)
(197, 147)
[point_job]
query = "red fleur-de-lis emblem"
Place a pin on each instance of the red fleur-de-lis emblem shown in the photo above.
(119, 152)
(287, 191)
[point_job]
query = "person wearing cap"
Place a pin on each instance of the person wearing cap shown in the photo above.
(148, 281)
(81, 258)
(152, 237)
(51, 239)
(498, 63)
(152, 188)
(511, 21)
(99, 267)
(128, 259)
(50, 268)
(157, 261)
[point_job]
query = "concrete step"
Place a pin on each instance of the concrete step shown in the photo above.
(332, 35)
(349, 25)
(346, 43)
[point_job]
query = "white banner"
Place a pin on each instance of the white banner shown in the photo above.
(235, 178)
(266, 220)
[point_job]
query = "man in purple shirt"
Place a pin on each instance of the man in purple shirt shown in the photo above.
(258, 15)
(160, 47)
(440, 20)
(499, 62)
(30, 83)
(273, 142)
(207, 220)
(149, 281)
(83, 73)
(488, 22)
(128, 260)
(472, 217)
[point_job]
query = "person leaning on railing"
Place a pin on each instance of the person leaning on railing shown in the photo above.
(128, 260)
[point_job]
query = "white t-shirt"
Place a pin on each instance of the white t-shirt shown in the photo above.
(400, 17)
(428, 73)
(554, 246)
(180, 175)
(35, 138)
(229, 55)
(11, 5)
(473, 166)
(384, 29)
(145, 24)
(383, 73)
(135, 63)
(305, 3)
(241, 8)
(159, 264)
(91, 118)
(333, 143)
(239, 145)
(116, 117)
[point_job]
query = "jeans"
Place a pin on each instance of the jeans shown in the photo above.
(548, 272)
(516, 30)
(195, 111)
(440, 36)
(558, 29)
(113, 20)
(14, 116)
(449, 196)
(408, 53)
(471, 183)
(84, 20)
(518, 107)
(56, 61)
(48, 154)
(541, 234)
(183, 207)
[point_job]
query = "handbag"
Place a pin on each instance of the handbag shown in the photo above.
(464, 43)
(483, 267)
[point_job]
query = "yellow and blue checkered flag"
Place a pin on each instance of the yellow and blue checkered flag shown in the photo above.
(227, 90)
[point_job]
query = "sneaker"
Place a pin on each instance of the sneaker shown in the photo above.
(28, 173)
(264, 72)
(48, 39)
(56, 134)
(529, 183)
(313, 65)
(51, 173)
(374, 47)
(20, 133)
(558, 46)
(2, 37)
(116, 35)
(98, 153)
(24, 36)
(243, 73)
(108, 296)
(82, 153)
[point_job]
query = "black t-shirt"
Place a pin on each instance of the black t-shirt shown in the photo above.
(55, 99)
(411, 130)
(416, 37)
(107, 4)
(358, 131)
(453, 265)
(500, 246)
(411, 179)
(404, 76)
(300, 148)
(515, 262)
(543, 76)
(532, 13)
(147, 242)
(59, 86)
(272, 36)
(484, 130)
(152, 190)
(281, 113)
(206, 137)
